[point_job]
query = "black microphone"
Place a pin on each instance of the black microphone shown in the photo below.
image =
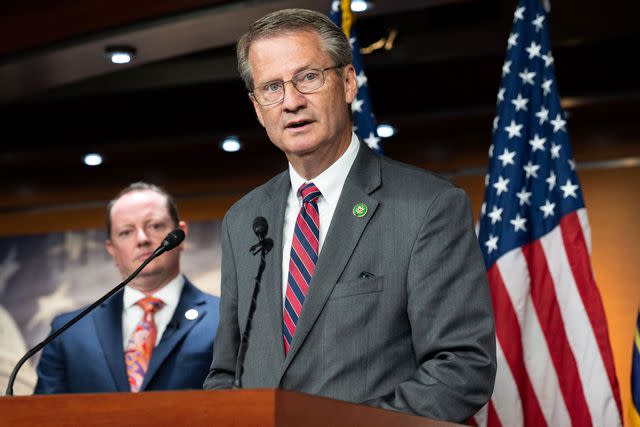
(172, 240)
(263, 246)
(260, 227)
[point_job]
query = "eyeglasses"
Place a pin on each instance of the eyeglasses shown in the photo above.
(306, 81)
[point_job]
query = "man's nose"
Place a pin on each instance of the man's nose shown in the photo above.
(293, 98)
(142, 236)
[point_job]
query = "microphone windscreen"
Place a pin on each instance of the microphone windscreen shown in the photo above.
(260, 227)
(173, 239)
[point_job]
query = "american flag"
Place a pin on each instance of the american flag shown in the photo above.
(555, 365)
(364, 120)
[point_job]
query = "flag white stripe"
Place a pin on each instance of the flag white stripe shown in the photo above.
(506, 398)
(591, 369)
(586, 229)
(537, 358)
(515, 275)
(481, 416)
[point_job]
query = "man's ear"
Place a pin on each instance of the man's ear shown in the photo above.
(350, 84)
(257, 109)
(109, 246)
(184, 227)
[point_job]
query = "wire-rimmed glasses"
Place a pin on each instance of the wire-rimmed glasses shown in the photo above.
(306, 81)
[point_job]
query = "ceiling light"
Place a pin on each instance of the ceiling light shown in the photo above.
(92, 159)
(359, 6)
(231, 144)
(385, 130)
(120, 54)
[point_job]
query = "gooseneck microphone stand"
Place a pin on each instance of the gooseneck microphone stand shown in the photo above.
(263, 247)
(171, 241)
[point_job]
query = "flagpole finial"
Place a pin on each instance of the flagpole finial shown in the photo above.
(546, 4)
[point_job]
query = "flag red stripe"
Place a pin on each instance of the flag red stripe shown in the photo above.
(552, 325)
(510, 337)
(579, 262)
(492, 416)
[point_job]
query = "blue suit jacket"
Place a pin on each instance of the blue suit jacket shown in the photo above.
(89, 358)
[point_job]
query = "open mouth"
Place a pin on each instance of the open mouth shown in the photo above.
(298, 124)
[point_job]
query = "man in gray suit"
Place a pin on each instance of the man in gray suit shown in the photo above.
(375, 290)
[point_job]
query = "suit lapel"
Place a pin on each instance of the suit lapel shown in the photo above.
(108, 323)
(341, 240)
(274, 211)
(176, 329)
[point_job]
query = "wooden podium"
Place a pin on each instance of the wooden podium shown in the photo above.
(261, 408)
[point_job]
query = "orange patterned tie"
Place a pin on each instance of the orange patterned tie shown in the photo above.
(141, 344)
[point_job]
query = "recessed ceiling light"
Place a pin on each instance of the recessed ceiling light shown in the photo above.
(120, 54)
(360, 5)
(385, 130)
(231, 144)
(92, 159)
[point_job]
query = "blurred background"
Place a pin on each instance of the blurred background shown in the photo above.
(433, 73)
(433, 69)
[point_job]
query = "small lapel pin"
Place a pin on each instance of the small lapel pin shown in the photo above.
(191, 314)
(360, 210)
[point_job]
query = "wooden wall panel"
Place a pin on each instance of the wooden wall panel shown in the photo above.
(57, 219)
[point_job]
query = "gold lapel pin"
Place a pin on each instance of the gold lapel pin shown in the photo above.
(360, 210)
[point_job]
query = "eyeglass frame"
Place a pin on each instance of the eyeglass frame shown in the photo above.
(284, 83)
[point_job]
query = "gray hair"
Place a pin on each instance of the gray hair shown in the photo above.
(334, 41)
(143, 186)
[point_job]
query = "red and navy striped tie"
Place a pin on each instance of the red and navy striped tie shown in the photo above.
(304, 256)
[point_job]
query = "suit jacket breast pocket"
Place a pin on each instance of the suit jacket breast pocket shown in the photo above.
(360, 286)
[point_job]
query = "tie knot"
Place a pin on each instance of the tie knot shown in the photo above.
(309, 192)
(150, 304)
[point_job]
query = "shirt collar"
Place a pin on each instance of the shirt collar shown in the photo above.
(169, 293)
(331, 180)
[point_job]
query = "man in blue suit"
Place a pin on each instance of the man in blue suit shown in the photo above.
(123, 345)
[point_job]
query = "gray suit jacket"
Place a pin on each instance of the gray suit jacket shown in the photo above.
(398, 313)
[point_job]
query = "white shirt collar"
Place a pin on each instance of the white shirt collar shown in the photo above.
(169, 293)
(331, 180)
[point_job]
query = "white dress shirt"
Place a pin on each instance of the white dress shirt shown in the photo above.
(330, 183)
(132, 313)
